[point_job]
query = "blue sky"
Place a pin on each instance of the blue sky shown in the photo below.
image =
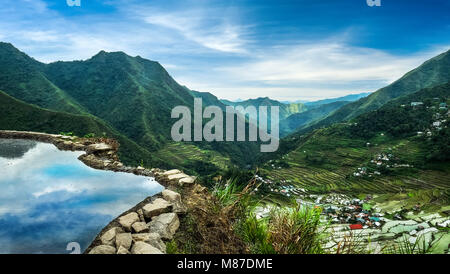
(287, 50)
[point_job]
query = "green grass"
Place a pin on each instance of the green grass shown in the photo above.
(286, 231)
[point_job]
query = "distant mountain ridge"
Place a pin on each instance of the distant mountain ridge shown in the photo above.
(298, 120)
(285, 109)
(294, 115)
(131, 95)
(433, 72)
(347, 98)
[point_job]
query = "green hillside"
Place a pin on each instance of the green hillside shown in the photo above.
(136, 96)
(394, 149)
(132, 95)
(208, 99)
(435, 71)
(297, 120)
(17, 115)
(22, 77)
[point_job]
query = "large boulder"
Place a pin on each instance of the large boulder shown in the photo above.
(101, 147)
(171, 196)
(124, 240)
(175, 199)
(128, 220)
(103, 249)
(171, 172)
(140, 212)
(140, 227)
(156, 207)
(153, 239)
(187, 180)
(176, 177)
(109, 237)
(122, 250)
(144, 248)
(165, 225)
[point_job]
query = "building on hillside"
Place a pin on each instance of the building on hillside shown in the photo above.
(437, 124)
(415, 104)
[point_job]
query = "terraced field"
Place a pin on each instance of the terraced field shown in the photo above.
(323, 167)
(186, 156)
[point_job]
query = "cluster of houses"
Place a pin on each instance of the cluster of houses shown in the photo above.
(438, 122)
(378, 163)
(441, 106)
(283, 187)
(355, 212)
(386, 160)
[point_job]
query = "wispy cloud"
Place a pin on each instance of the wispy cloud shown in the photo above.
(203, 28)
(313, 71)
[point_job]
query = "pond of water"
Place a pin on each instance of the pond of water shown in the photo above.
(48, 198)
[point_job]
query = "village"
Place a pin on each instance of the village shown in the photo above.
(373, 227)
(386, 161)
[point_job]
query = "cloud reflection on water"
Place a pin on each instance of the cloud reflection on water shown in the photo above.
(49, 198)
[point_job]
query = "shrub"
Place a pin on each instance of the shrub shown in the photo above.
(296, 231)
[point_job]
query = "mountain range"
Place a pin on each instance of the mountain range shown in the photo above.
(348, 98)
(285, 109)
(131, 98)
(431, 73)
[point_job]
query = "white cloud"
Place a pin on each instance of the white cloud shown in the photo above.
(30, 181)
(42, 36)
(52, 189)
(220, 36)
(326, 62)
(310, 71)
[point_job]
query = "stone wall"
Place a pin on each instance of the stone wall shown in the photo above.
(147, 227)
(143, 229)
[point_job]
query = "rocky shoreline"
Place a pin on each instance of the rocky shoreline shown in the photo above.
(101, 153)
(144, 228)
(147, 227)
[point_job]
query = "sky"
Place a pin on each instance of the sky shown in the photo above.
(239, 49)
